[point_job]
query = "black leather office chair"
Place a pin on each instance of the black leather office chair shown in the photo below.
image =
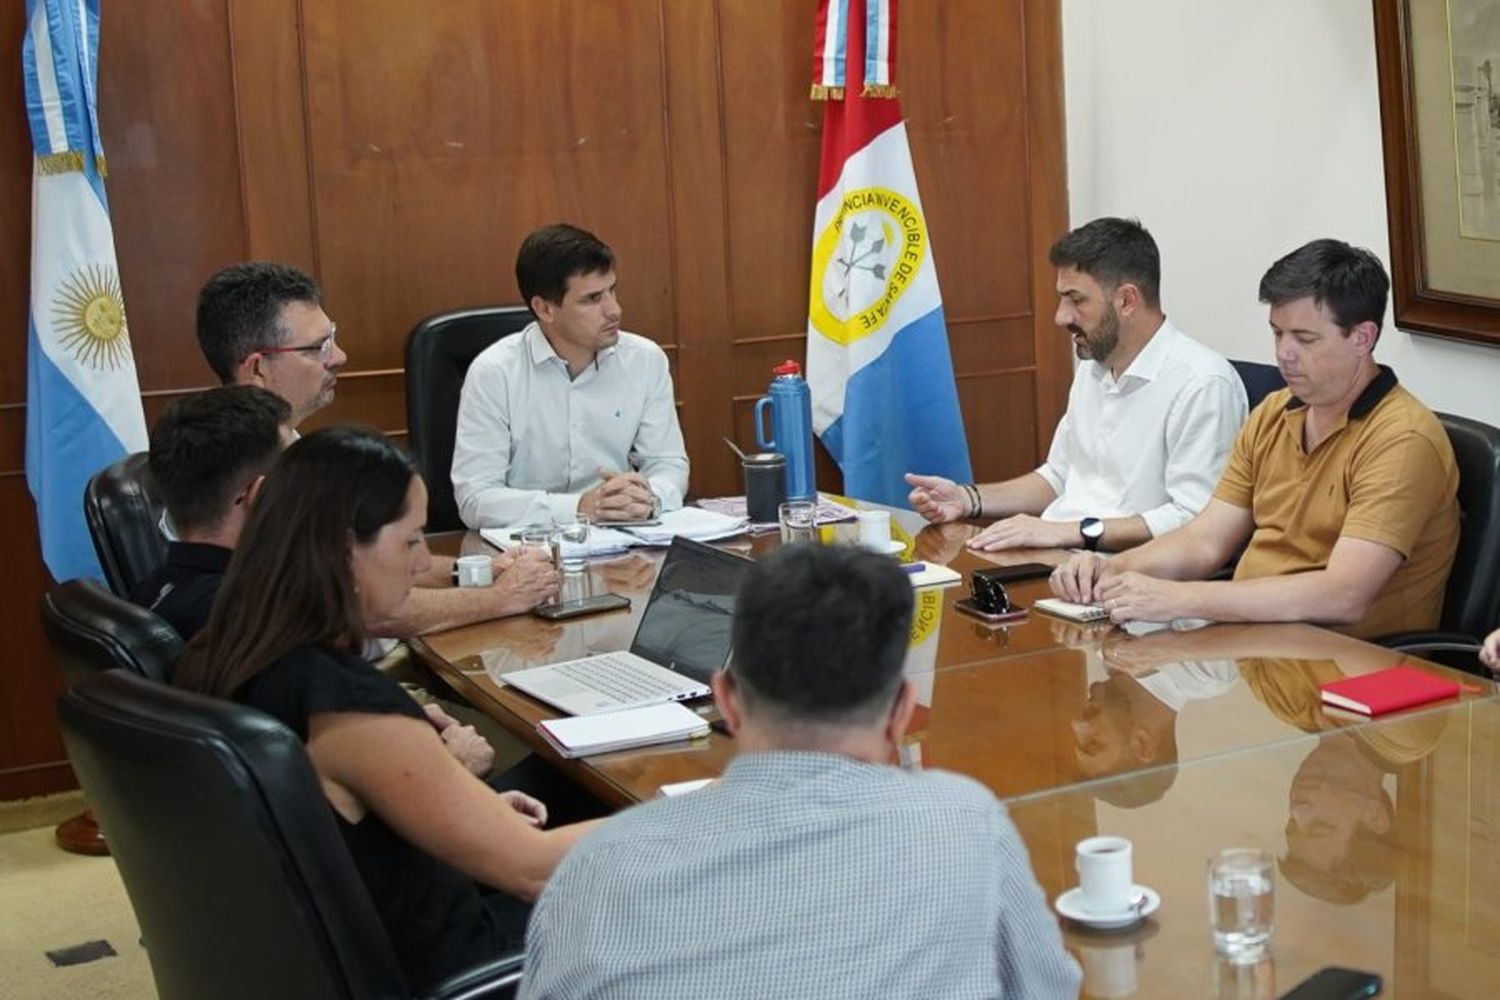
(229, 852)
(123, 510)
(438, 354)
(91, 631)
(1471, 606)
(1260, 380)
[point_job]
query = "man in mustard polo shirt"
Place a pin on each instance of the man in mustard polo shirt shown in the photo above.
(1343, 484)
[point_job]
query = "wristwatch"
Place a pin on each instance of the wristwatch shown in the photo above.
(1092, 530)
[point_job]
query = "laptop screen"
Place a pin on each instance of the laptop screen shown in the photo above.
(687, 621)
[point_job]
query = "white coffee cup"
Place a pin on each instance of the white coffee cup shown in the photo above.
(1104, 877)
(475, 571)
(874, 529)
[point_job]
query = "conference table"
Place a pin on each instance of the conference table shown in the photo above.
(1386, 832)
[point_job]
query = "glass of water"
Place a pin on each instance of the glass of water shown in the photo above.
(572, 539)
(798, 521)
(536, 537)
(1242, 902)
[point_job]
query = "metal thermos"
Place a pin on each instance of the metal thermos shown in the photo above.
(765, 486)
(791, 428)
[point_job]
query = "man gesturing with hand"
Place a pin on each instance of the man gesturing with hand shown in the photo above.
(1151, 414)
(572, 415)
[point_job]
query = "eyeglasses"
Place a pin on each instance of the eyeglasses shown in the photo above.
(323, 348)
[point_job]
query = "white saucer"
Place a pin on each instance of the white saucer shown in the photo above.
(1067, 905)
(893, 547)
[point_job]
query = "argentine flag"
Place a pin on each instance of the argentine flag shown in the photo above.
(83, 401)
(884, 399)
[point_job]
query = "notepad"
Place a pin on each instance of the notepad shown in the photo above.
(677, 788)
(1072, 612)
(1388, 690)
(934, 575)
(626, 729)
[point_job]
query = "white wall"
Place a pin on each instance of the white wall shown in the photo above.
(1236, 132)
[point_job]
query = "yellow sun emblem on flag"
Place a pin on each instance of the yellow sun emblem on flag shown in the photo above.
(88, 313)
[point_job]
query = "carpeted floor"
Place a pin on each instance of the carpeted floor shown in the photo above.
(50, 901)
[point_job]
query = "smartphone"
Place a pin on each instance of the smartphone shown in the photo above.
(1336, 984)
(1020, 571)
(968, 607)
(557, 611)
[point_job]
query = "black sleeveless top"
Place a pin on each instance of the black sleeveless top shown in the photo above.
(433, 913)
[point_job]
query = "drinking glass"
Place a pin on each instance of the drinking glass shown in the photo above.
(573, 544)
(798, 521)
(537, 537)
(1242, 902)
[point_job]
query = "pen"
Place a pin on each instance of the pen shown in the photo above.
(913, 567)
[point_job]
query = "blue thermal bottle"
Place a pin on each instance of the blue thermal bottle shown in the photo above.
(791, 425)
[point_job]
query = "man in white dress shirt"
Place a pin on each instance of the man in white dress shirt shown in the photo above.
(572, 415)
(1151, 416)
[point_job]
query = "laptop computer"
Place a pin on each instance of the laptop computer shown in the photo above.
(682, 639)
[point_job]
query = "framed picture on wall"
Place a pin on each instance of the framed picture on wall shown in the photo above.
(1439, 69)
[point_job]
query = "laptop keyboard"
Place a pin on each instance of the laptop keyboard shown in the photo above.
(617, 676)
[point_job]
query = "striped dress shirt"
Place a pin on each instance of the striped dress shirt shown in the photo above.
(801, 875)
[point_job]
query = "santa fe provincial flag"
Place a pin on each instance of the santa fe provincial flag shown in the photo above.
(884, 398)
(83, 402)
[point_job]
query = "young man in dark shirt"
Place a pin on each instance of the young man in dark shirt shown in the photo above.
(209, 454)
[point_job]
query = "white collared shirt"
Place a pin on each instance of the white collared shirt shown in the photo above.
(1153, 442)
(531, 441)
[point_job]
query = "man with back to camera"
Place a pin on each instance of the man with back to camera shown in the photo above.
(812, 868)
(1151, 415)
(1343, 484)
(572, 415)
(263, 324)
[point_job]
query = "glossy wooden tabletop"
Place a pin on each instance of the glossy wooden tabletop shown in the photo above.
(1387, 832)
(1041, 704)
(1387, 840)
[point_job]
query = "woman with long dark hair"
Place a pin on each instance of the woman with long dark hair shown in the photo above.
(335, 540)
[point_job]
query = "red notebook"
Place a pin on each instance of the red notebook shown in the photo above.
(1388, 690)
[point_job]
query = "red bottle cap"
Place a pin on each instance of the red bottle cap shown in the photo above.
(787, 367)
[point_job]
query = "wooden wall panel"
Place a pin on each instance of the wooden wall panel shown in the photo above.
(963, 66)
(400, 152)
(772, 136)
(168, 126)
(443, 133)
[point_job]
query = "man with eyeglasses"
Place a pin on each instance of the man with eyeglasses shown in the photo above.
(263, 324)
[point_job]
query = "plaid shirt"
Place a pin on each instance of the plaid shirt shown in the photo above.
(801, 875)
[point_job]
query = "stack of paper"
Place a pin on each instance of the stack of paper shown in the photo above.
(581, 735)
(689, 522)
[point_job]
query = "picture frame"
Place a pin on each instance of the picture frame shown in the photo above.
(1438, 64)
